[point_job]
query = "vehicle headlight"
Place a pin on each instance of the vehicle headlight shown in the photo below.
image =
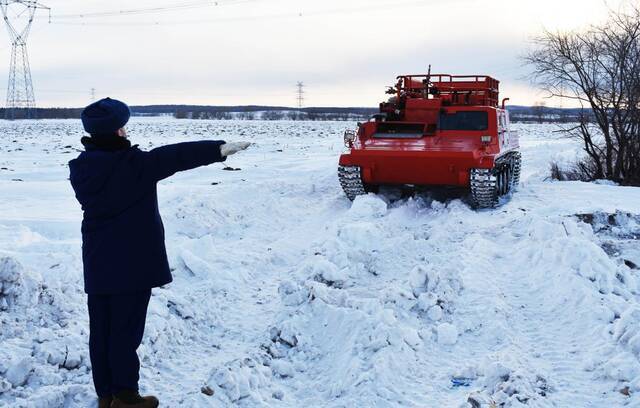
(349, 137)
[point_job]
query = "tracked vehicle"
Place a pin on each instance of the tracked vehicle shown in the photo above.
(436, 130)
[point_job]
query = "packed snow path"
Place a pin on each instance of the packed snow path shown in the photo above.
(286, 294)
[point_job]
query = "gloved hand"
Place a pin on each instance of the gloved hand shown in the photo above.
(228, 149)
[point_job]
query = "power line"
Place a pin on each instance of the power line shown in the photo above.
(153, 10)
(170, 93)
(398, 5)
(135, 11)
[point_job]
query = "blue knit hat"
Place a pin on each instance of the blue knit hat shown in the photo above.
(105, 117)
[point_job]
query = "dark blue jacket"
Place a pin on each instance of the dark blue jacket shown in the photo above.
(122, 234)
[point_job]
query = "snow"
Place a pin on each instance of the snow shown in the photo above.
(286, 294)
(447, 334)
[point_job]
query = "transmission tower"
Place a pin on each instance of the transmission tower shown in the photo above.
(300, 93)
(20, 96)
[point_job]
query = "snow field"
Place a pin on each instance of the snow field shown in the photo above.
(285, 294)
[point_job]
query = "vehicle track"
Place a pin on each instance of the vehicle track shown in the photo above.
(548, 316)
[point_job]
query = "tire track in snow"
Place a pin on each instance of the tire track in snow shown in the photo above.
(547, 307)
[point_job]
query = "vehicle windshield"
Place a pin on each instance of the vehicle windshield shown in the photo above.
(464, 120)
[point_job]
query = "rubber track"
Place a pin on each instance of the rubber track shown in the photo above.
(484, 192)
(484, 182)
(351, 181)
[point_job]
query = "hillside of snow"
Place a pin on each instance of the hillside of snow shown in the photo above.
(286, 294)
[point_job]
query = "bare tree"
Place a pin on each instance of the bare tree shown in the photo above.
(600, 69)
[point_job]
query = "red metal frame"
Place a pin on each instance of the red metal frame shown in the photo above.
(456, 89)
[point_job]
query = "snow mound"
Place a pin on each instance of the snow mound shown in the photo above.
(619, 234)
(447, 334)
(504, 387)
(368, 206)
(344, 339)
(322, 270)
(356, 321)
(19, 288)
(19, 372)
(626, 331)
(240, 380)
(43, 359)
(199, 259)
(436, 288)
(619, 224)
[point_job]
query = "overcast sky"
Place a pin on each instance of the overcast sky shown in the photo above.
(254, 51)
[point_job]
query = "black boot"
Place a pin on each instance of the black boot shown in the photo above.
(104, 402)
(131, 399)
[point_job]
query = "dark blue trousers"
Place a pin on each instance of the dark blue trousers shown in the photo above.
(116, 324)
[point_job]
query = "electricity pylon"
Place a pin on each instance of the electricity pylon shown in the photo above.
(300, 94)
(20, 96)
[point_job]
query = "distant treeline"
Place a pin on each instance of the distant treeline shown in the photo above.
(254, 112)
(250, 112)
(273, 115)
(544, 114)
(533, 114)
(44, 113)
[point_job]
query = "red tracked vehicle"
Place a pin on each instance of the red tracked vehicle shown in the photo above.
(436, 130)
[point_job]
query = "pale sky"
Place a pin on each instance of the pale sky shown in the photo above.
(243, 52)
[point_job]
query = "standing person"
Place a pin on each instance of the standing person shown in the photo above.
(123, 250)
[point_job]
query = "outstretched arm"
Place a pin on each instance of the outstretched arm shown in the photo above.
(165, 161)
